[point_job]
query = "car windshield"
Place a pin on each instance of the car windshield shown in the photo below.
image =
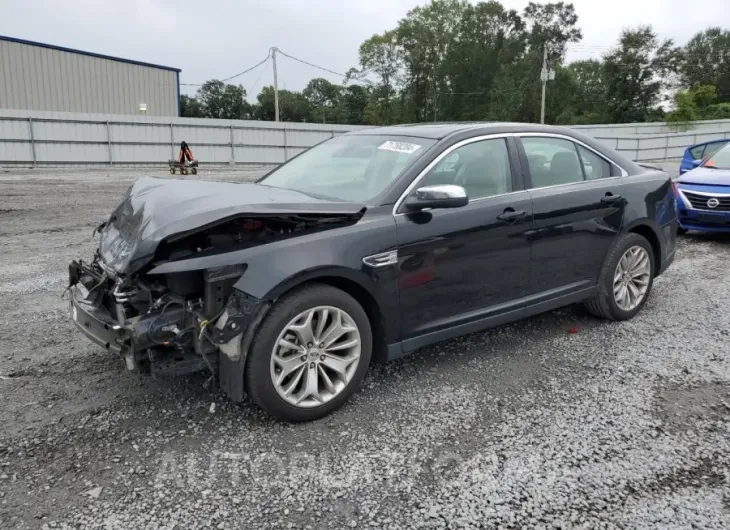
(719, 160)
(353, 168)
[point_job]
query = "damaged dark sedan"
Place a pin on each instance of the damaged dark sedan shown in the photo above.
(366, 247)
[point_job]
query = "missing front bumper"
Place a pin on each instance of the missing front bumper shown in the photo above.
(97, 324)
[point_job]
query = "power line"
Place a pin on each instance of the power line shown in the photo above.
(367, 81)
(310, 64)
(247, 70)
(263, 70)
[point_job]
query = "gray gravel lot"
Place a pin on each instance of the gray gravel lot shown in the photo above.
(620, 425)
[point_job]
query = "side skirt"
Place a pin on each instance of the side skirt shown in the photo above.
(399, 349)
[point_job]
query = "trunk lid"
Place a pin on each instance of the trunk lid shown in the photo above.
(154, 209)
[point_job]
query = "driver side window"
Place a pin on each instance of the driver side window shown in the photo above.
(481, 168)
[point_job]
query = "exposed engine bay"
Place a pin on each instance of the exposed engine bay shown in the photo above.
(177, 323)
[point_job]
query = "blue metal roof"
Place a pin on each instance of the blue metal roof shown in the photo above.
(90, 54)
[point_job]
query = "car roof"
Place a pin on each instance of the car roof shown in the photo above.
(438, 131)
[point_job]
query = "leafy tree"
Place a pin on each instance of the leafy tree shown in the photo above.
(705, 60)
(223, 101)
(293, 106)
(553, 25)
(696, 103)
(590, 91)
(633, 74)
(191, 107)
(353, 101)
(323, 98)
(382, 56)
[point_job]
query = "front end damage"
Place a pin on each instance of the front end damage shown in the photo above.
(185, 321)
(162, 326)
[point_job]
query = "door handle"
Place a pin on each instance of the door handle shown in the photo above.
(511, 215)
(610, 198)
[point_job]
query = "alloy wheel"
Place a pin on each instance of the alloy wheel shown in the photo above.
(631, 278)
(316, 356)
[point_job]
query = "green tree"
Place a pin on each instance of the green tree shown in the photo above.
(590, 92)
(553, 25)
(634, 72)
(223, 101)
(293, 106)
(323, 98)
(354, 99)
(705, 60)
(694, 103)
(381, 56)
(191, 107)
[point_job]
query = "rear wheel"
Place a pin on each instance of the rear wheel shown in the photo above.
(681, 231)
(310, 354)
(626, 279)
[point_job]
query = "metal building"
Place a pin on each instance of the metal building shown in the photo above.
(36, 76)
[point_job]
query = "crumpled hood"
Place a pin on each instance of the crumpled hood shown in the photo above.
(154, 209)
(703, 175)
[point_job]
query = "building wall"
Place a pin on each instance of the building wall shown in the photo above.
(47, 79)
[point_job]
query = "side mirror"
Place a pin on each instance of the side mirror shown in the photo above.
(432, 197)
(697, 163)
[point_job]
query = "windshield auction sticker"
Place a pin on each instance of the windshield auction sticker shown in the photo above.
(399, 147)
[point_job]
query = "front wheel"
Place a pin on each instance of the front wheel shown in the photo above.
(310, 354)
(626, 279)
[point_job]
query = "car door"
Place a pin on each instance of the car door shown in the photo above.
(579, 204)
(460, 266)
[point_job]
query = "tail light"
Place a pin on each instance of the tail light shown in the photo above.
(675, 188)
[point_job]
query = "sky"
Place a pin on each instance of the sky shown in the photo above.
(219, 38)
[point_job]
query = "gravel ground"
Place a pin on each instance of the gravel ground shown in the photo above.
(617, 425)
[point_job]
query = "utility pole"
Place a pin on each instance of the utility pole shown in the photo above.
(276, 85)
(545, 76)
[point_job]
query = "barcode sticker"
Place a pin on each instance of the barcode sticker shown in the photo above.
(399, 147)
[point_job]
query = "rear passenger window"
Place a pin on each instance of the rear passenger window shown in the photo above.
(552, 161)
(594, 166)
(711, 149)
(696, 152)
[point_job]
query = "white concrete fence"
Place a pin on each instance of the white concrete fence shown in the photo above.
(32, 138)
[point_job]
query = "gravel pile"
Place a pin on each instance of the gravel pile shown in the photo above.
(524, 426)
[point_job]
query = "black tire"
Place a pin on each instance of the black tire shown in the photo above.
(194, 171)
(172, 170)
(604, 305)
(258, 383)
(681, 231)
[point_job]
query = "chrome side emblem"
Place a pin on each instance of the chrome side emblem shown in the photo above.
(713, 203)
(384, 259)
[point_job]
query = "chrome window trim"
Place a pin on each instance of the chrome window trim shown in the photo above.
(575, 183)
(443, 155)
(624, 173)
(467, 141)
